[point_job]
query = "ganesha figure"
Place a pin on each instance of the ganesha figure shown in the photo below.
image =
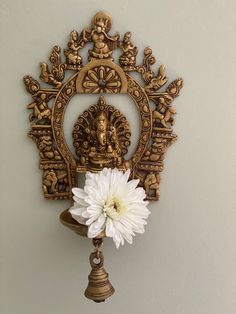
(103, 144)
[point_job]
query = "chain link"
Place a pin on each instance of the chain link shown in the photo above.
(97, 244)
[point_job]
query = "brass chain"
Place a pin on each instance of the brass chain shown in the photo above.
(97, 244)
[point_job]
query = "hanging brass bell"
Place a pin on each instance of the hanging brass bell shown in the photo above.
(99, 287)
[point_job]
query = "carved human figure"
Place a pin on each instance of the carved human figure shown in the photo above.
(152, 182)
(62, 181)
(156, 151)
(103, 44)
(49, 182)
(152, 154)
(47, 151)
(41, 112)
(163, 113)
(55, 182)
(128, 58)
(73, 58)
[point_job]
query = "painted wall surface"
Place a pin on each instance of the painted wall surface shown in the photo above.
(185, 263)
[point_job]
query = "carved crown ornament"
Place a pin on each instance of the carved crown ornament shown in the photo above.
(101, 134)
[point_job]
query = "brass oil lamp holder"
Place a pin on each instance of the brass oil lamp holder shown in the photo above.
(101, 75)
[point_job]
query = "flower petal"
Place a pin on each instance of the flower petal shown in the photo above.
(109, 228)
(94, 230)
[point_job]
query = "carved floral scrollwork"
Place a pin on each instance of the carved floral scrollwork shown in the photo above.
(153, 82)
(32, 86)
(54, 75)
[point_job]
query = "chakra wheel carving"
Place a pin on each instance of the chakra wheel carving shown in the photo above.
(101, 134)
(102, 80)
(101, 76)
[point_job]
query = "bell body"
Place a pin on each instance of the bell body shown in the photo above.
(99, 287)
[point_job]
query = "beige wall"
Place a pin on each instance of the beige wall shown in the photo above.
(185, 262)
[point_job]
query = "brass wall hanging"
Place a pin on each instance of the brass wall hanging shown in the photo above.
(101, 135)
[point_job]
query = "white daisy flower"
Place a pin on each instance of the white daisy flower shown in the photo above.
(111, 203)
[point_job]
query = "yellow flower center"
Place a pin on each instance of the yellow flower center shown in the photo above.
(114, 207)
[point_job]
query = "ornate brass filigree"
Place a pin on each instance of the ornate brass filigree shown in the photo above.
(101, 135)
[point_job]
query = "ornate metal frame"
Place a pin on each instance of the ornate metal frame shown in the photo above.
(101, 134)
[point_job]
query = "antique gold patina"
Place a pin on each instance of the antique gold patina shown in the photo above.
(101, 134)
